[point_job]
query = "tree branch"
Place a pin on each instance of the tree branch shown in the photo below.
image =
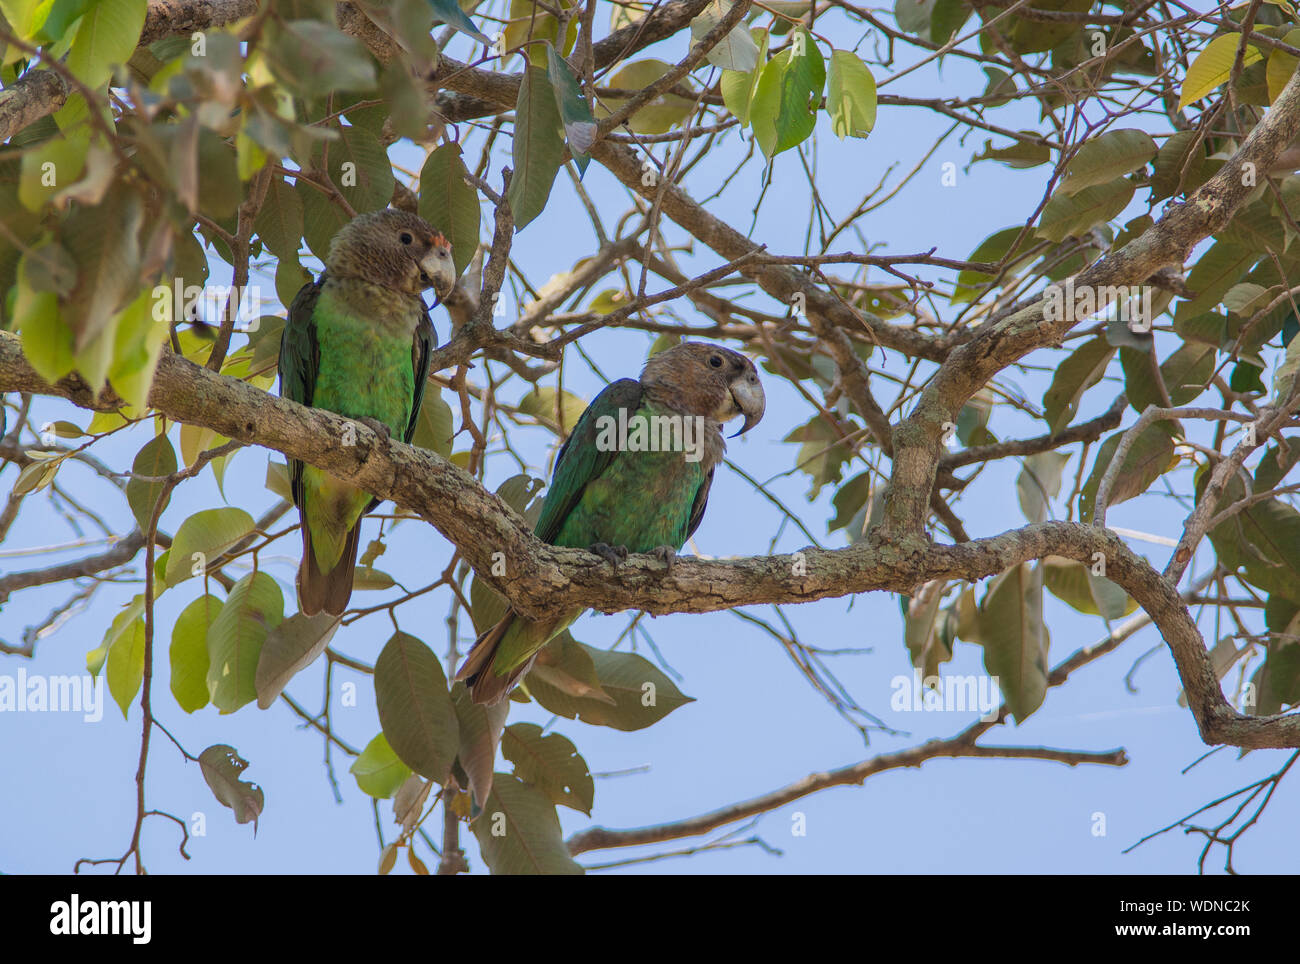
(542, 579)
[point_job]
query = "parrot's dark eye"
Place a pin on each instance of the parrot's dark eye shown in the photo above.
(406, 238)
(715, 361)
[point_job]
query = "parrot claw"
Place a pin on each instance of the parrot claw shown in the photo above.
(611, 554)
(667, 555)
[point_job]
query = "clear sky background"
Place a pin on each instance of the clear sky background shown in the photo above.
(755, 725)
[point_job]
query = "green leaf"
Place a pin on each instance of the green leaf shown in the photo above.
(415, 708)
(219, 188)
(103, 242)
(823, 452)
(480, 733)
(640, 692)
(487, 606)
(531, 23)
(947, 18)
(913, 16)
(450, 13)
(973, 420)
(519, 833)
(1035, 36)
(1039, 482)
(321, 220)
(106, 38)
(784, 109)
(120, 625)
(1281, 65)
(1185, 374)
(434, 428)
(189, 652)
(1020, 153)
(660, 115)
(541, 403)
(1067, 215)
(450, 204)
(51, 166)
(1264, 540)
(279, 222)
(202, 538)
(254, 607)
(1104, 158)
(849, 500)
(538, 147)
(222, 766)
(405, 99)
(368, 578)
(575, 112)
(360, 169)
(551, 763)
(1150, 456)
(922, 629)
(1284, 376)
(992, 249)
(1080, 371)
(1074, 584)
(26, 18)
(36, 476)
(850, 95)
(290, 647)
(1168, 168)
(313, 58)
(1015, 639)
(378, 770)
(156, 459)
(1215, 274)
(735, 51)
(737, 86)
(1213, 66)
(137, 346)
(125, 666)
(1276, 464)
(47, 339)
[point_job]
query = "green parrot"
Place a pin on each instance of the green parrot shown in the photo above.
(633, 476)
(358, 342)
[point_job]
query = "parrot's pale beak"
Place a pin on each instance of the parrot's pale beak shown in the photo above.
(438, 272)
(748, 398)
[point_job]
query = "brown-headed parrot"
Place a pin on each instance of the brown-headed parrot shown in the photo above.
(624, 482)
(357, 342)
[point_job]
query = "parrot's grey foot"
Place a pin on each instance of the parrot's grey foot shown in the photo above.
(376, 426)
(611, 554)
(667, 555)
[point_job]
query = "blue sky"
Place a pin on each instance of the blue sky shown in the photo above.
(755, 725)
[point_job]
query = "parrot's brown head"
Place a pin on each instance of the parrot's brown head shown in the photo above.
(696, 378)
(396, 249)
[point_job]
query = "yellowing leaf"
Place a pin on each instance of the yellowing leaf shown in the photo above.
(1213, 66)
(850, 96)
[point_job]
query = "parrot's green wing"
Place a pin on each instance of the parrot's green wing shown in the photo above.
(300, 362)
(697, 507)
(426, 339)
(580, 461)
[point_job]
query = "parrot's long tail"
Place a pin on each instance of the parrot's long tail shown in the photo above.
(326, 590)
(485, 686)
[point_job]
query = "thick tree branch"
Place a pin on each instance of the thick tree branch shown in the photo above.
(36, 94)
(918, 439)
(543, 579)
